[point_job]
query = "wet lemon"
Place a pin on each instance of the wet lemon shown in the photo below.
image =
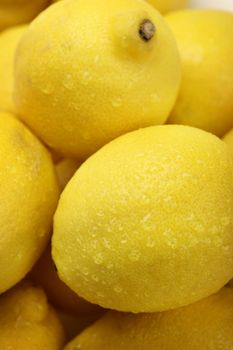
(206, 48)
(88, 71)
(27, 321)
(44, 273)
(29, 195)
(205, 325)
(8, 42)
(145, 224)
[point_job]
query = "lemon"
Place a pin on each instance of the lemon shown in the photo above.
(206, 48)
(14, 12)
(146, 223)
(88, 71)
(29, 195)
(27, 321)
(44, 274)
(168, 5)
(205, 325)
(65, 170)
(8, 42)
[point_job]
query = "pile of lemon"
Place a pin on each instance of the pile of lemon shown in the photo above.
(116, 190)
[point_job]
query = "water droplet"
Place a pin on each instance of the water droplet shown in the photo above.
(134, 255)
(155, 97)
(95, 278)
(68, 82)
(85, 271)
(106, 243)
(116, 102)
(167, 199)
(47, 89)
(109, 266)
(118, 289)
(100, 294)
(98, 259)
(97, 58)
(86, 77)
(186, 175)
(146, 218)
(199, 228)
(150, 243)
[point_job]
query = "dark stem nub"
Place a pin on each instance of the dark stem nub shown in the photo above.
(147, 30)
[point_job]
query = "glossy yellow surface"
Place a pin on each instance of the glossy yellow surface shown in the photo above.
(44, 273)
(205, 42)
(205, 325)
(27, 321)
(9, 40)
(92, 78)
(146, 223)
(29, 195)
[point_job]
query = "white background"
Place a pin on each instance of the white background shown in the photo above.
(219, 4)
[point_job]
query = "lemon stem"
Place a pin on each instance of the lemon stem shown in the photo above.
(147, 30)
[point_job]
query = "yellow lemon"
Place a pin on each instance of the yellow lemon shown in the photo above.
(8, 42)
(168, 5)
(146, 223)
(65, 170)
(44, 273)
(206, 47)
(205, 325)
(88, 71)
(14, 12)
(29, 195)
(27, 321)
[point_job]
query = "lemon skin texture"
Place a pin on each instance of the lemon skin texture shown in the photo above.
(65, 169)
(165, 6)
(206, 48)
(8, 42)
(205, 325)
(45, 275)
(29, 195)
(145, 224)
(27, 321)
(94, 77)
(14, 12)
